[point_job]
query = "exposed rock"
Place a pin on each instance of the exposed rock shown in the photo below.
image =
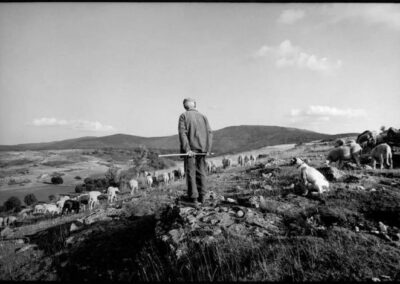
(25, 248)
(73, 227)
(332, 173)
(383, 228)
(6, 232)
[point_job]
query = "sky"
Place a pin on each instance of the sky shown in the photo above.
(69, 70)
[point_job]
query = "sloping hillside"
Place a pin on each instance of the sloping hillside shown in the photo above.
(227, 140)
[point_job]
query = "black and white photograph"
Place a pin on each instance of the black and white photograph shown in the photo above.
(199, 142)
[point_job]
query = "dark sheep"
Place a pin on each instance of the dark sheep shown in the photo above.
(70, 205)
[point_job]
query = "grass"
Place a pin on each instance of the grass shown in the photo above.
(317, 241)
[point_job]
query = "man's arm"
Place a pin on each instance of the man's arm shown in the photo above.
(209, 136)
(183, 138)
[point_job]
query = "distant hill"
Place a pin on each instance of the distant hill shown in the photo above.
(231, 139)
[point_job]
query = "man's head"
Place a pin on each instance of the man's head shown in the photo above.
(189, 103)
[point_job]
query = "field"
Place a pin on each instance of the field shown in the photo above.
(254, 226)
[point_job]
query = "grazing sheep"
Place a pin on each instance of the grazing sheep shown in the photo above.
(149, 181)
(252, 159)
(60, 202)
(382, 154)
(10, 220)
(226, 163)
(51, 209)
(93, 198)
(111, 193)
(70, 205)
(241, 160)
(39, 208)
(246, 160)
(355, 151)
(339, 142)
(134, 185)
(181, 171)
(25, 212)
(213, 168)
(171, 176)
(1, 221)
(83, 200)
(339, 154)
(208, 167)
(165, 178)
(312, 179)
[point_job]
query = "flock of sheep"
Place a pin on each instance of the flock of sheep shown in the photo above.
(312, 179)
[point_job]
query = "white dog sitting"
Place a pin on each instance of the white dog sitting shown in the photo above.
(311, 177)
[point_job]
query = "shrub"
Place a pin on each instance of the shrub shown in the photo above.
(79, 188)
(30, 199)
(13, 203)
(57, 180)
(78, 178)
(52, 197)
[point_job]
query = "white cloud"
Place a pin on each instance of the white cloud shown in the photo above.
(73, 124)
(291, 16)
(287, 54)
(326, 112)
(371, 13)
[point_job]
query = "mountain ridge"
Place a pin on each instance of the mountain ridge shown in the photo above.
(226, 140)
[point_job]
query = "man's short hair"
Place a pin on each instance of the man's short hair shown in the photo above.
(186, 102)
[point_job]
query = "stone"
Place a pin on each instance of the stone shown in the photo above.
(19, 241)
(240, 213)
(360, 187)
(73, 227)
(231, 200)
(383, 227)
(6, 232)
(176, 235)
(357, 229)
(332, 173)
(226, 220)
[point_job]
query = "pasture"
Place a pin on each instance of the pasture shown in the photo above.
(350, 233)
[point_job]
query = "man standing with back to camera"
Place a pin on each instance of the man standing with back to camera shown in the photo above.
(195, 136)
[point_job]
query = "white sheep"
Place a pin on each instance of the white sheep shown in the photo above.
(134, 185)
(339, 154)
(60, 202)
(51, 208)
(10, 220)
(240, 160)
(1, 221)
(311, 178)
(355, 151)
(382, 153)
(111, 192)
(171, 176)
(165, 178)
(252, 159)
(181, 172)
(246, 160)
(39, 208)
(149, 180)
(93, 198)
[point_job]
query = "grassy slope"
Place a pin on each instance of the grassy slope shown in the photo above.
(126, 249)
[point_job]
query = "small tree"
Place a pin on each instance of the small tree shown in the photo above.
(30, 199)
(57, 180)
(112, 174)
(79, 188)
(13, 203)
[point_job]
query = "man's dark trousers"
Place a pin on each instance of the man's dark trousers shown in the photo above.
(195, 171)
